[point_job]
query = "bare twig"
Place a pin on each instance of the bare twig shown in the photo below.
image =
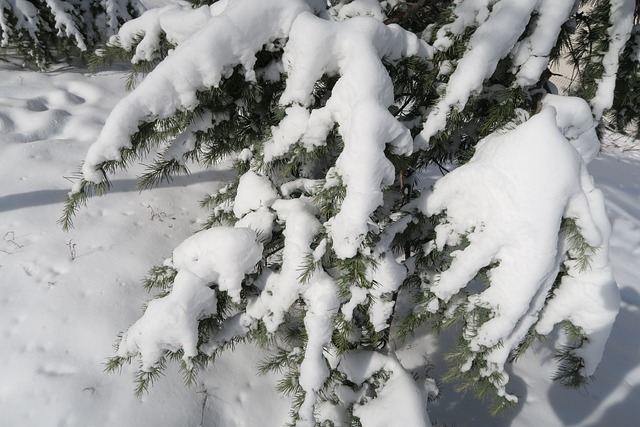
(72, 249)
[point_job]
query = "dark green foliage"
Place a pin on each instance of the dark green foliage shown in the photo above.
(144, 378)
(40, 34)
(77, 200)
(590, 44)
(159, 278)
(110, 54)
(198, 3)
(570, 365)
(580, 251)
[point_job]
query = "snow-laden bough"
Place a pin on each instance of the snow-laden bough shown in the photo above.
(504, 210)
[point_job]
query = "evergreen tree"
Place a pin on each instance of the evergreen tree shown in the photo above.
(330, 246)
(43, 31)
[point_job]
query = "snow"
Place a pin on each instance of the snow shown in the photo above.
(575, 121)
(64, 297)
(492, 40)
(254, 191)
(387, 278)
(360, 8)
(220, 256)
(508, 202)
(621, 18)
(358, 104)
(532, 53)
(26, 19)
(288, 132)
(321, 298)
(159, 21)
(282, 289)
(400, 391)
(60, 316)
(83, 22)
(192, 66)
(64, 22)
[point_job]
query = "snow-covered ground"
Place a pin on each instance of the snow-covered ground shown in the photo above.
(64, 297)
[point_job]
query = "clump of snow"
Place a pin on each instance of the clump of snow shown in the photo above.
(262, 221)
(400, 402)
(491, 41)
(308, 186)
(283, 288)
(588, 297)
(254, 191)
(575, 121)
(531, 54)
(170, 323)
(467, 13)
(186, 140)
(196, 64)
(322, 304)
(288, 132)
(220, 256)
(508, 203)
(621, 19)
(176, 22)
(359, 8)
(359, 104)
(386, 278)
